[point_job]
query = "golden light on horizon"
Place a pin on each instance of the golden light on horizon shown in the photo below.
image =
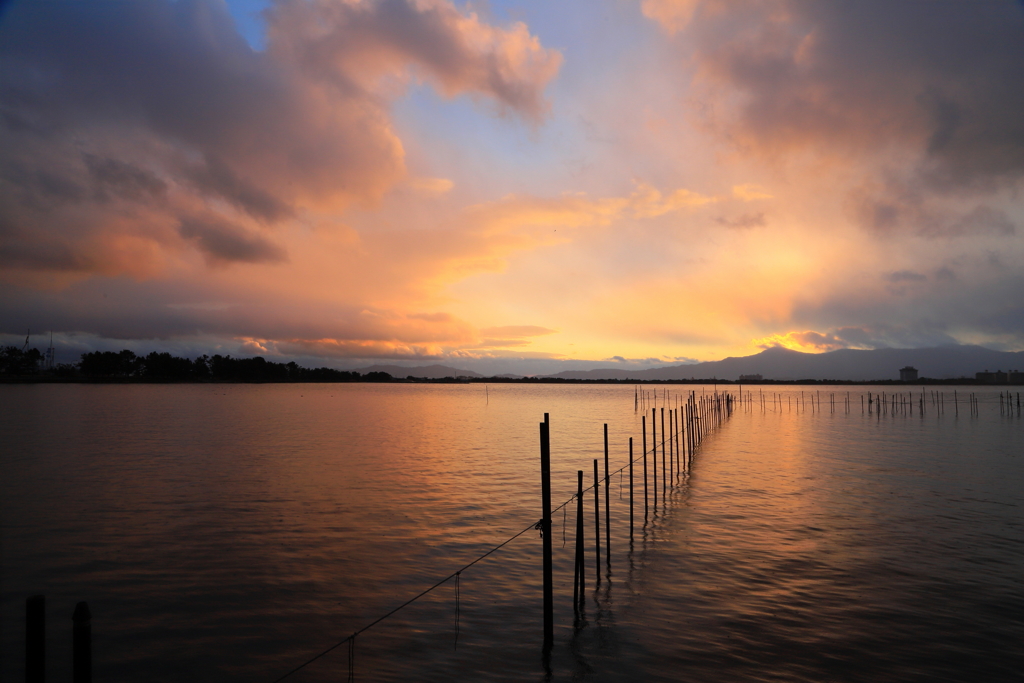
(686, 182)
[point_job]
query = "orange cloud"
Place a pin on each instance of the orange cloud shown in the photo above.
(218, 144)
(807, 341)
(432, 186)
(165, 180)
(517, 331)
(673, 15)
(363, 41)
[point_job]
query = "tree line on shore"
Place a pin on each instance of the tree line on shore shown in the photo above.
(126, 365)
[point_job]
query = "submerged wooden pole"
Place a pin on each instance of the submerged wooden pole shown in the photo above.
(675, 432)
(689, 433)
(673, 467)
(664, 457)
(597, 525)
(643, 432)
(631, 487)
(35, 639)
(81, 654)
(607, 506)
(654, 454)
(545, 531)
(579, 580)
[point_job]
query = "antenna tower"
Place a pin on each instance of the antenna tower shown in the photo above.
(48, 362)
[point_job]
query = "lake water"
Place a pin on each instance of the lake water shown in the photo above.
(230, 532)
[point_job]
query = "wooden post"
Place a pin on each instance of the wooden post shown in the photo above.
(545, 485)
(643, 432)
(679, 441)
(664, 479)
(631, 487)
(597, 525)
(672, 444)
(705, 419)
(81, 656)
(654, 454)
(35, 639)
(607, 506)
(579, 580)
(689, 433)
(679, 455)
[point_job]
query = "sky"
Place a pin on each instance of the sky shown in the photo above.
(520, 187)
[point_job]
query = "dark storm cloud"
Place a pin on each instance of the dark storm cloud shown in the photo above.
(920, 333)
(120, 308)
(113, 176)
(930, 90)
(120, 118)
(214, 177)
(947, 72)
(36, 255)
(897, 205)
(985, 301)
(179, 74)
(222, 243)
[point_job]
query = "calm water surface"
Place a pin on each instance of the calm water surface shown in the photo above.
(227, 533)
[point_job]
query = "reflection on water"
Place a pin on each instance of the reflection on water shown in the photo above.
(229, 532)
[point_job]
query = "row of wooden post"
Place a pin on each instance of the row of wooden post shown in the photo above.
(900, 403)
(886, 404)
(35, 642)
(1006, 403)
(688, 424)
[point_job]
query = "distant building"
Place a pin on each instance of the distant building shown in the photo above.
(751, 378)
(908, 374)
(999, 377)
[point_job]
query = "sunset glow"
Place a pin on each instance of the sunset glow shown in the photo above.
(511, 187)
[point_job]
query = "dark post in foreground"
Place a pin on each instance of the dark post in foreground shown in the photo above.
(643, 444)
(607, 506)
(545, 531)
(631, 488)
(35, 639)
(82, 645)
(597, 525)
(654, 455)
(579, 582)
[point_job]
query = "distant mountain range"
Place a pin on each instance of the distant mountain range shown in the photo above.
(424, 371)
(945, 362)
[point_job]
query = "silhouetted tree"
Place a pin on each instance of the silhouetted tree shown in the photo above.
(110, 364)
(14, 361)
(65, 369)
(377, 377)
(201, 367)
(165, 366)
